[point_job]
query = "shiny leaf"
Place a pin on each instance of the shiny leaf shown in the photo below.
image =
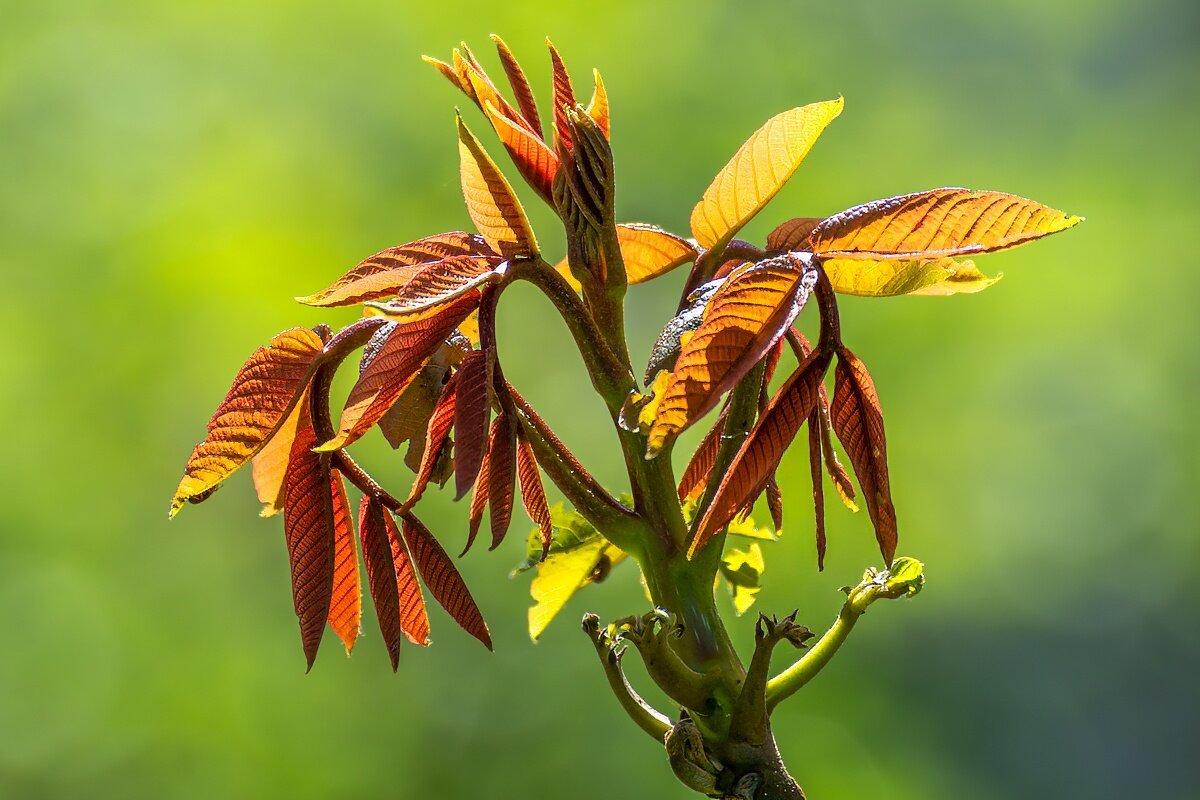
(758, 170)
(265, 391)
(443, 580)
(269, 467)
(502, 476)
(536, 162)
(941, 222)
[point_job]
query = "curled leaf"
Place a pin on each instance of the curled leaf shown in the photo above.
(940, 222)
(758, 171)
(265, 391)
(792, 235)
(443, 580)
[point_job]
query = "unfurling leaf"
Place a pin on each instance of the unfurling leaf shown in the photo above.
(400, 356)
(597, 108)
(502, 476)
(443, 580)
(758, 170)
(384, 273)
(533, 493)
(742, 570)
(759, 455)
(940, 222)
(745, 318)
(536, 162)
(520, 86)
(577, 556)
(266, 389)
(491, 202)
(471, 413)
(269, 467)
(308, 526)
(792, 235)
(858, 421)
(564, 96)
(436, 436)
(345, 607)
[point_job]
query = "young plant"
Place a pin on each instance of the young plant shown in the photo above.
(430, 378)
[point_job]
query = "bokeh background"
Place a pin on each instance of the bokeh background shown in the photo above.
(171, 174)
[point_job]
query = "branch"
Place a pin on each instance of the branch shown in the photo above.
(647, 718)
(904, 579)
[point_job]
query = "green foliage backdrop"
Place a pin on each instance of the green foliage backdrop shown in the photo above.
(172, 173)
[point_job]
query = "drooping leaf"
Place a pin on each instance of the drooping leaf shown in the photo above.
(414, 618)
(837, 473)
(384, 273)
(742, 571)
(443, 580)
(436, 435)
(502, 476)
(308, 526)
(479, 502)
(940, 222)
(760, 453)
(578, 556)
(520, 86)
(269, 467)
(491, 202)
(533, 493)
(758, 170)
(699, 467)
(746, 316)
(775, 502)
(266, 389)
(471, 414)
(564, 96)
(400, 356)
(536, 162)
(966, 279)
(792, 235)
(818, 484)
(597, 107)
(858, 421)
(399, 606)
(345, 607)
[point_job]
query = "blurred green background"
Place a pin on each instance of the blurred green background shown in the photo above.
(171, 174)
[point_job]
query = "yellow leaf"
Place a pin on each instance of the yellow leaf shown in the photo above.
(563, 574)
(270, 465)
(966, 279)
(940, 222)
(491, 202)
(758, 170)
(647, 250)
(742, 570)
(885, 278)
(597, 109)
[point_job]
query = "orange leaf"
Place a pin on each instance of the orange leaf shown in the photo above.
(792, 235)
(491, 202)
(941, 222)
(699, 467)
(436, 284)
(743, 320)
(449, 73)
(414, 619)
(308, 526)
(443, 579)
(270, 465)
(759, 455)
(399, 606)
(479, 497)
(520, 86)
(385, 272)
(597, 109)
(266, 389)
(533, 493)
(486, 94)
(404, 349)
(858, 422)
(345, 607)
(564, 97)
(758, 171)
(502, 476)
(471, 412)
(536, 162)
(436, 436)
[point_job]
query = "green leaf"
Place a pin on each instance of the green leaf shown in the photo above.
(742, 570)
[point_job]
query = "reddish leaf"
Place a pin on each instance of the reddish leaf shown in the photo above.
(745, 318)
(520, 86)
(940, 222)
(858, 422)
(436, 437)
(345, 608)
(564, 97)
(385, 272)
(266, 389)
(502, 476)
(443, 579)
(533, 493)
(434, 285)
(775, 503)
(394, 588)
(399, 358)
(414, 619)
(695, 476)
(471, 413)
(818, 485)
(759, 455)
(479, 497)
(792, 235)
(308, 525)
(536, 162)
